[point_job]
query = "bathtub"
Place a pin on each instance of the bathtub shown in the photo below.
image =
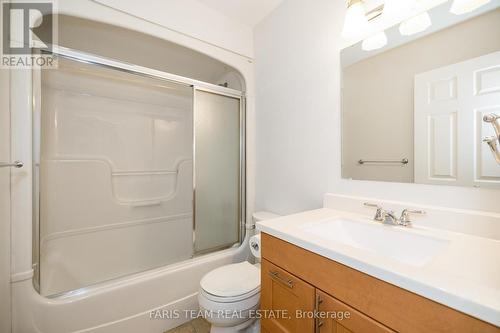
(143, 302)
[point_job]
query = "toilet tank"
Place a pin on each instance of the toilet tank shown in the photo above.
(257, 217)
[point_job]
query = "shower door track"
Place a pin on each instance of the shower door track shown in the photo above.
(140, 70)
(197, 85)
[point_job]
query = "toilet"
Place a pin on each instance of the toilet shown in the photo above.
(229, 294)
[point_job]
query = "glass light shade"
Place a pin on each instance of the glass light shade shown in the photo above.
(356, 22)
(377, 41)
(415, 24)
(397, 9)
(465, 6)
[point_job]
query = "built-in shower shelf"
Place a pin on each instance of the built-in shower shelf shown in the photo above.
(135, 188)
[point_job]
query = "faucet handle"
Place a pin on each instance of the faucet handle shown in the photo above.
(405, 216)
(490, 118)
(380, 214)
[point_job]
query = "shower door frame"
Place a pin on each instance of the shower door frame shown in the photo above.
(196, 85)
(242, 173)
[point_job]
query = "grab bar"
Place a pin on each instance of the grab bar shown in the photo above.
(404, 161)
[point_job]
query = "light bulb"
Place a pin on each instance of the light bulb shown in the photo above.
(377, 41)
(465, 6)
(415, 24)
(356, 22)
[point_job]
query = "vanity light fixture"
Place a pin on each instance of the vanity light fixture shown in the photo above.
(356, 22)
(375, 42)
(460, 7)
(395, 9)
(415, 24)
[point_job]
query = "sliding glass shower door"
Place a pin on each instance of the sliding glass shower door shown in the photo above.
(114, 181)
(218, 170)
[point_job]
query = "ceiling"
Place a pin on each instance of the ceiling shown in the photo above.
(247, 12)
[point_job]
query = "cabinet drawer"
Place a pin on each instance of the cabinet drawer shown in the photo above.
(284, 298)
(337, 317)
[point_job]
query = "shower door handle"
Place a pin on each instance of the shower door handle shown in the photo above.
(15, 164)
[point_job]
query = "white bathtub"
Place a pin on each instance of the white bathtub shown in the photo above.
(123, 305)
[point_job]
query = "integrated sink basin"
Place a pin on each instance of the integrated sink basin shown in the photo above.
(389, 241)
(450, 266)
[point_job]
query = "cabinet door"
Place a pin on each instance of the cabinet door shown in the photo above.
(284, 299)
(337, 317)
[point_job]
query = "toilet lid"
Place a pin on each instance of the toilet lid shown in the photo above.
(232, 280)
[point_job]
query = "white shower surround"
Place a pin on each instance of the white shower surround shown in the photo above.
(115, 177)
(122, 305)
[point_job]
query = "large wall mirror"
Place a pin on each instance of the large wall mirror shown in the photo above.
(420, 108)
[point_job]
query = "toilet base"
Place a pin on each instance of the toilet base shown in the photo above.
(249, 326)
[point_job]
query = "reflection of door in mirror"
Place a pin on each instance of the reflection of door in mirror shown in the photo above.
(450, 103)
(459, 77)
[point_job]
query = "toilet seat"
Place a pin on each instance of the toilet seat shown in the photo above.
(233, 299)
(231, 283)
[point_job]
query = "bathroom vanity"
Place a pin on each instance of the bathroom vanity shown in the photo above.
(343, 272)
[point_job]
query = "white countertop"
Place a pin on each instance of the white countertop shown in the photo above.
(465, 275)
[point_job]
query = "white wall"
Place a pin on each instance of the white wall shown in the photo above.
(191, 18)
(297, 66)
(5, 294)
(4, 203)
(298, 117)
(141, 49)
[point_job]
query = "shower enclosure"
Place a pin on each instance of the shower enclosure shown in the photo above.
(134, 169)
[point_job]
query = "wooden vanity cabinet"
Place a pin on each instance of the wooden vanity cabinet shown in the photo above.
(292, 305)
(282, 295)
(333, 316)
(294, 279)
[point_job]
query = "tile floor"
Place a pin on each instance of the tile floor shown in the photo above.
(199, 325)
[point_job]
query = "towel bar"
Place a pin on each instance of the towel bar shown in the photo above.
(404, 161)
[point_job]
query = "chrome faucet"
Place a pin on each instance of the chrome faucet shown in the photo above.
(389, 217)
(493, 120)
(382, 215)
(493, 141)
(404, 220)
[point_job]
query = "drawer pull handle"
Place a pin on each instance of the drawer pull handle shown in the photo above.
(276, 276)
(318, 322)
